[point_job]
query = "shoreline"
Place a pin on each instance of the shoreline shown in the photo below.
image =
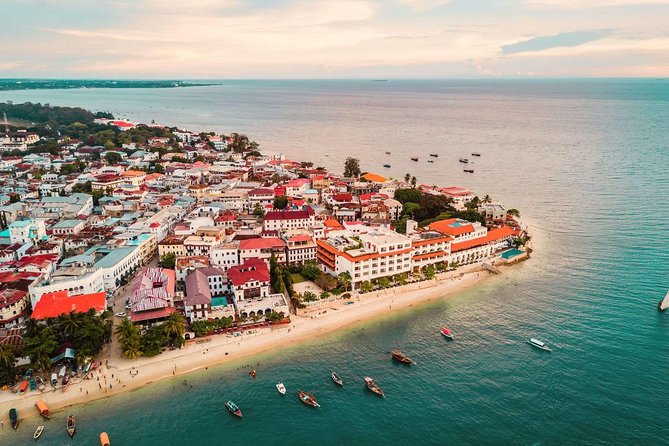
(123, 375)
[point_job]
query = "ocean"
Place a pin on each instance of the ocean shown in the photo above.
(587, 164)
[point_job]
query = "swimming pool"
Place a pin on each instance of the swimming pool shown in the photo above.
(512, 253)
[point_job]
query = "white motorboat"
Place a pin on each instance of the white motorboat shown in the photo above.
(538, 344)
(281, 388)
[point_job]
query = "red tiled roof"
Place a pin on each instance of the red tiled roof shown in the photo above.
(261, 191)
(450, 227)
(492, 236)
(286, 215)
(251, 270)
(152, 314)
(261, 243)
(55, 304)
(342, 197)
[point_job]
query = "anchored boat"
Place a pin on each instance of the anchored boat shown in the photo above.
(371, 385)
(464, 160)
(538, 344)
(664, 303)
(104, 439)
(71, 427)
(13, 418)
(307, 398)
(414, 159)
(337, 380)
(38, 432)
(445, 332)
(233, 409)
(401, 357)
(281, 388)
(468, 170)
(386, 165)
(435, 155)
(476, 154)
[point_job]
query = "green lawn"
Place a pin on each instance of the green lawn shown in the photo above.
(297, 278)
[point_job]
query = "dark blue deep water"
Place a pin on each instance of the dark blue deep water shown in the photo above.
(586, 162)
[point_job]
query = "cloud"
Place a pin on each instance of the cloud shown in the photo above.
(567, 39)
(583, 4)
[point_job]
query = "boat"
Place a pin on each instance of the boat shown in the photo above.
(371, 385)
(337, 380)
(66, 379)
(13, 418)
(71, 427)
(476, 154)
(664, 303)
(401, 357)
(538, 344)
(54, 380)
(386, 165)
(24, 386)
(468, 170)
(387, 153)
(252, 373)
(38, 432)
(307, 398)
(414, 159)
(446, 333)
(430, 161)
(43, 409)
(435, 155)
(104, 439)
(233, 409)
(463, 160)
(281, 388)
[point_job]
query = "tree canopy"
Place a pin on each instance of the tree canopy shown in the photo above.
(352, 167)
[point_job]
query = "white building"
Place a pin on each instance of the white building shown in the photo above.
(27, 231)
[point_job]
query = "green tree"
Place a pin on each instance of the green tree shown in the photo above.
(326, 282)
(405, 195)
(276, 178)
(168, 260)
(324, 295)
(429, 271)
(413, 182)
(366, 286)
(308, 296)
(273, 316)
(513, 212)
(345, 279)
(40, 348)
(280, 202)
(310, 270)
(407, 178)
(258, 210)
(113, 158)
(352, 167)
(175, 327)
(7, 362)
(132, 349)
(384, 282)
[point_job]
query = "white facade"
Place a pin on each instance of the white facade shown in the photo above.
(26, 231)
(224, 256)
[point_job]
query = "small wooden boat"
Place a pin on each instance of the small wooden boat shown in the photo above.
(387, 153)
(104, 439)
(386, 165)
(371, 385)
(538, 344)
(13, 418)
(430, 161)
(414, 159)
(307, 398)
(233, 409)
(337, 380)
(401, 357)
(463, 160)
(281, 388)
(448, 334)
(252, 373)
(24, 386)
(476, 154)
(43, 409)
(71, 427)
(468, 170)
(664, 303)
(435, 155)
(66, 379)
(38, 432)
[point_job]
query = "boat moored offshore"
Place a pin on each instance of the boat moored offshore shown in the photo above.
(307, 398)
(71, 426)
(401, 357)
(281, 388)
(538, 344)
(664, 303)
(104, 439)
(43, 409)
(233, 409)
(371, 385)
(337, 380)
(38, 432)
(13, 418)
(445, 332)
(463, 160)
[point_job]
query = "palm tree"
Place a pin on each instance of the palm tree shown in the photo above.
(487, 199)
(125, 331)
(175, 326)
(40, 347)
(7, 357)
(69, 323)
(345, 279)
(132, 348)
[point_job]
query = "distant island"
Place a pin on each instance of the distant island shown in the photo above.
(67, 84)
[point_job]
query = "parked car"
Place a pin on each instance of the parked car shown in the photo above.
(121, 314)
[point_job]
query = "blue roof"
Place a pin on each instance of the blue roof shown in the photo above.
(139, 240)
(114, 256)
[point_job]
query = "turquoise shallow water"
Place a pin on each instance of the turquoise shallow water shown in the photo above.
(586, 162)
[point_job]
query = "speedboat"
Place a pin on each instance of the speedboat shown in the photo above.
(401, 357)
(434, 155)
(414, 159)
(538, 344)
(387, 153)
(446, 333)
(371, 385)
(464, 160)
(476, 154)
(38, 432)
(71, 427)
(337, 380)
(430, 161)
(468, 170)
(232, 407)
(386, 165)
(307, 398)
(281, 388)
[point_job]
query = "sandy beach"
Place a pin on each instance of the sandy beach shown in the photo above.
(117, 375)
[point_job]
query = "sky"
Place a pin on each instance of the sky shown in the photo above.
(237, 39)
